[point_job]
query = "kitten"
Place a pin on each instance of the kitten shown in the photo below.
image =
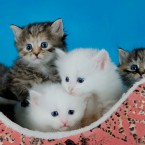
(131, 66)
(36, 44)
(51, 109)
(89, 71)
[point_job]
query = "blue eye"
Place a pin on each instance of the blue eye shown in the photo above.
(67, 79)
(71, 112)
(134, 67)
(54, 113)
(28, 47)
(44, 45)
(80, 80)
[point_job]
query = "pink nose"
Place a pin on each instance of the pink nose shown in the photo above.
(71, 90)
(65, 125)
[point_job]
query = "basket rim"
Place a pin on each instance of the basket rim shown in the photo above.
(58, 135)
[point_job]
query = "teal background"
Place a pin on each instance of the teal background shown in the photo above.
(99, 24)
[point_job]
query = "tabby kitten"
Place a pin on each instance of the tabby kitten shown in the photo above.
(36, 44)
(132, 66)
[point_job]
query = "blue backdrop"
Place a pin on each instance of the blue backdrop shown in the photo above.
(89, 23)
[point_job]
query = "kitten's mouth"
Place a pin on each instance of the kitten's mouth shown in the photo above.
(71, 92)
(37, 60)
(64, 128)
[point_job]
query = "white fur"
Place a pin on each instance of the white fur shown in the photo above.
(99, 72)
(45, 99)
(59, 135)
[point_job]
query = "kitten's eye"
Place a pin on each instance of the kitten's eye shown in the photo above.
(44, 45)
(54, 113)
(28, 47)
(67, 79)
(71, 112)
(80, 80)
(134, 67)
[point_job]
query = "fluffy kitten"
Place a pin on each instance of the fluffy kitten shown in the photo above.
(51, 109)
(36, 44)
(132, 66)
(89, 71)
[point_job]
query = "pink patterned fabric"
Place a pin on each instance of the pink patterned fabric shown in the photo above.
(126, 126)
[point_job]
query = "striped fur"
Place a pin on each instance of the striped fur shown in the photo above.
(27, 71)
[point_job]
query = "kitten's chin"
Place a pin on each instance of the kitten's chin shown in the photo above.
(33, 61)
(64, 129)
(37, 61)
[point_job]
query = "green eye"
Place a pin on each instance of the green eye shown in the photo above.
(28, 47)
(44, 45)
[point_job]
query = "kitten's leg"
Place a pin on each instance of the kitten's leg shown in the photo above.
(87, 120)
(21, 93)
(54, 76)
(91, 113)
(107, 106)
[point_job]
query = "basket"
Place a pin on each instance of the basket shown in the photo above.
(123, 124)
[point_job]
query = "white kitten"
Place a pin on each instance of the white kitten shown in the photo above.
(51, 109)
(89, 71)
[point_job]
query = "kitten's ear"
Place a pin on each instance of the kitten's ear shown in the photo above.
(60, 53)
(122, 55)
(16, 30)
(57, 28)
(102, 58)
(34, 97)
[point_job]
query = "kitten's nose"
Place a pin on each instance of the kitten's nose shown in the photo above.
(65, 125)
(71, 90)
(36, 54)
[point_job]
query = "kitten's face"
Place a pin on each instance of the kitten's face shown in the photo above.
(65, 117)
(36, 42)
(37, 50)
(62, 112)
(77, 82)
(78, 68)
(132, 66)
